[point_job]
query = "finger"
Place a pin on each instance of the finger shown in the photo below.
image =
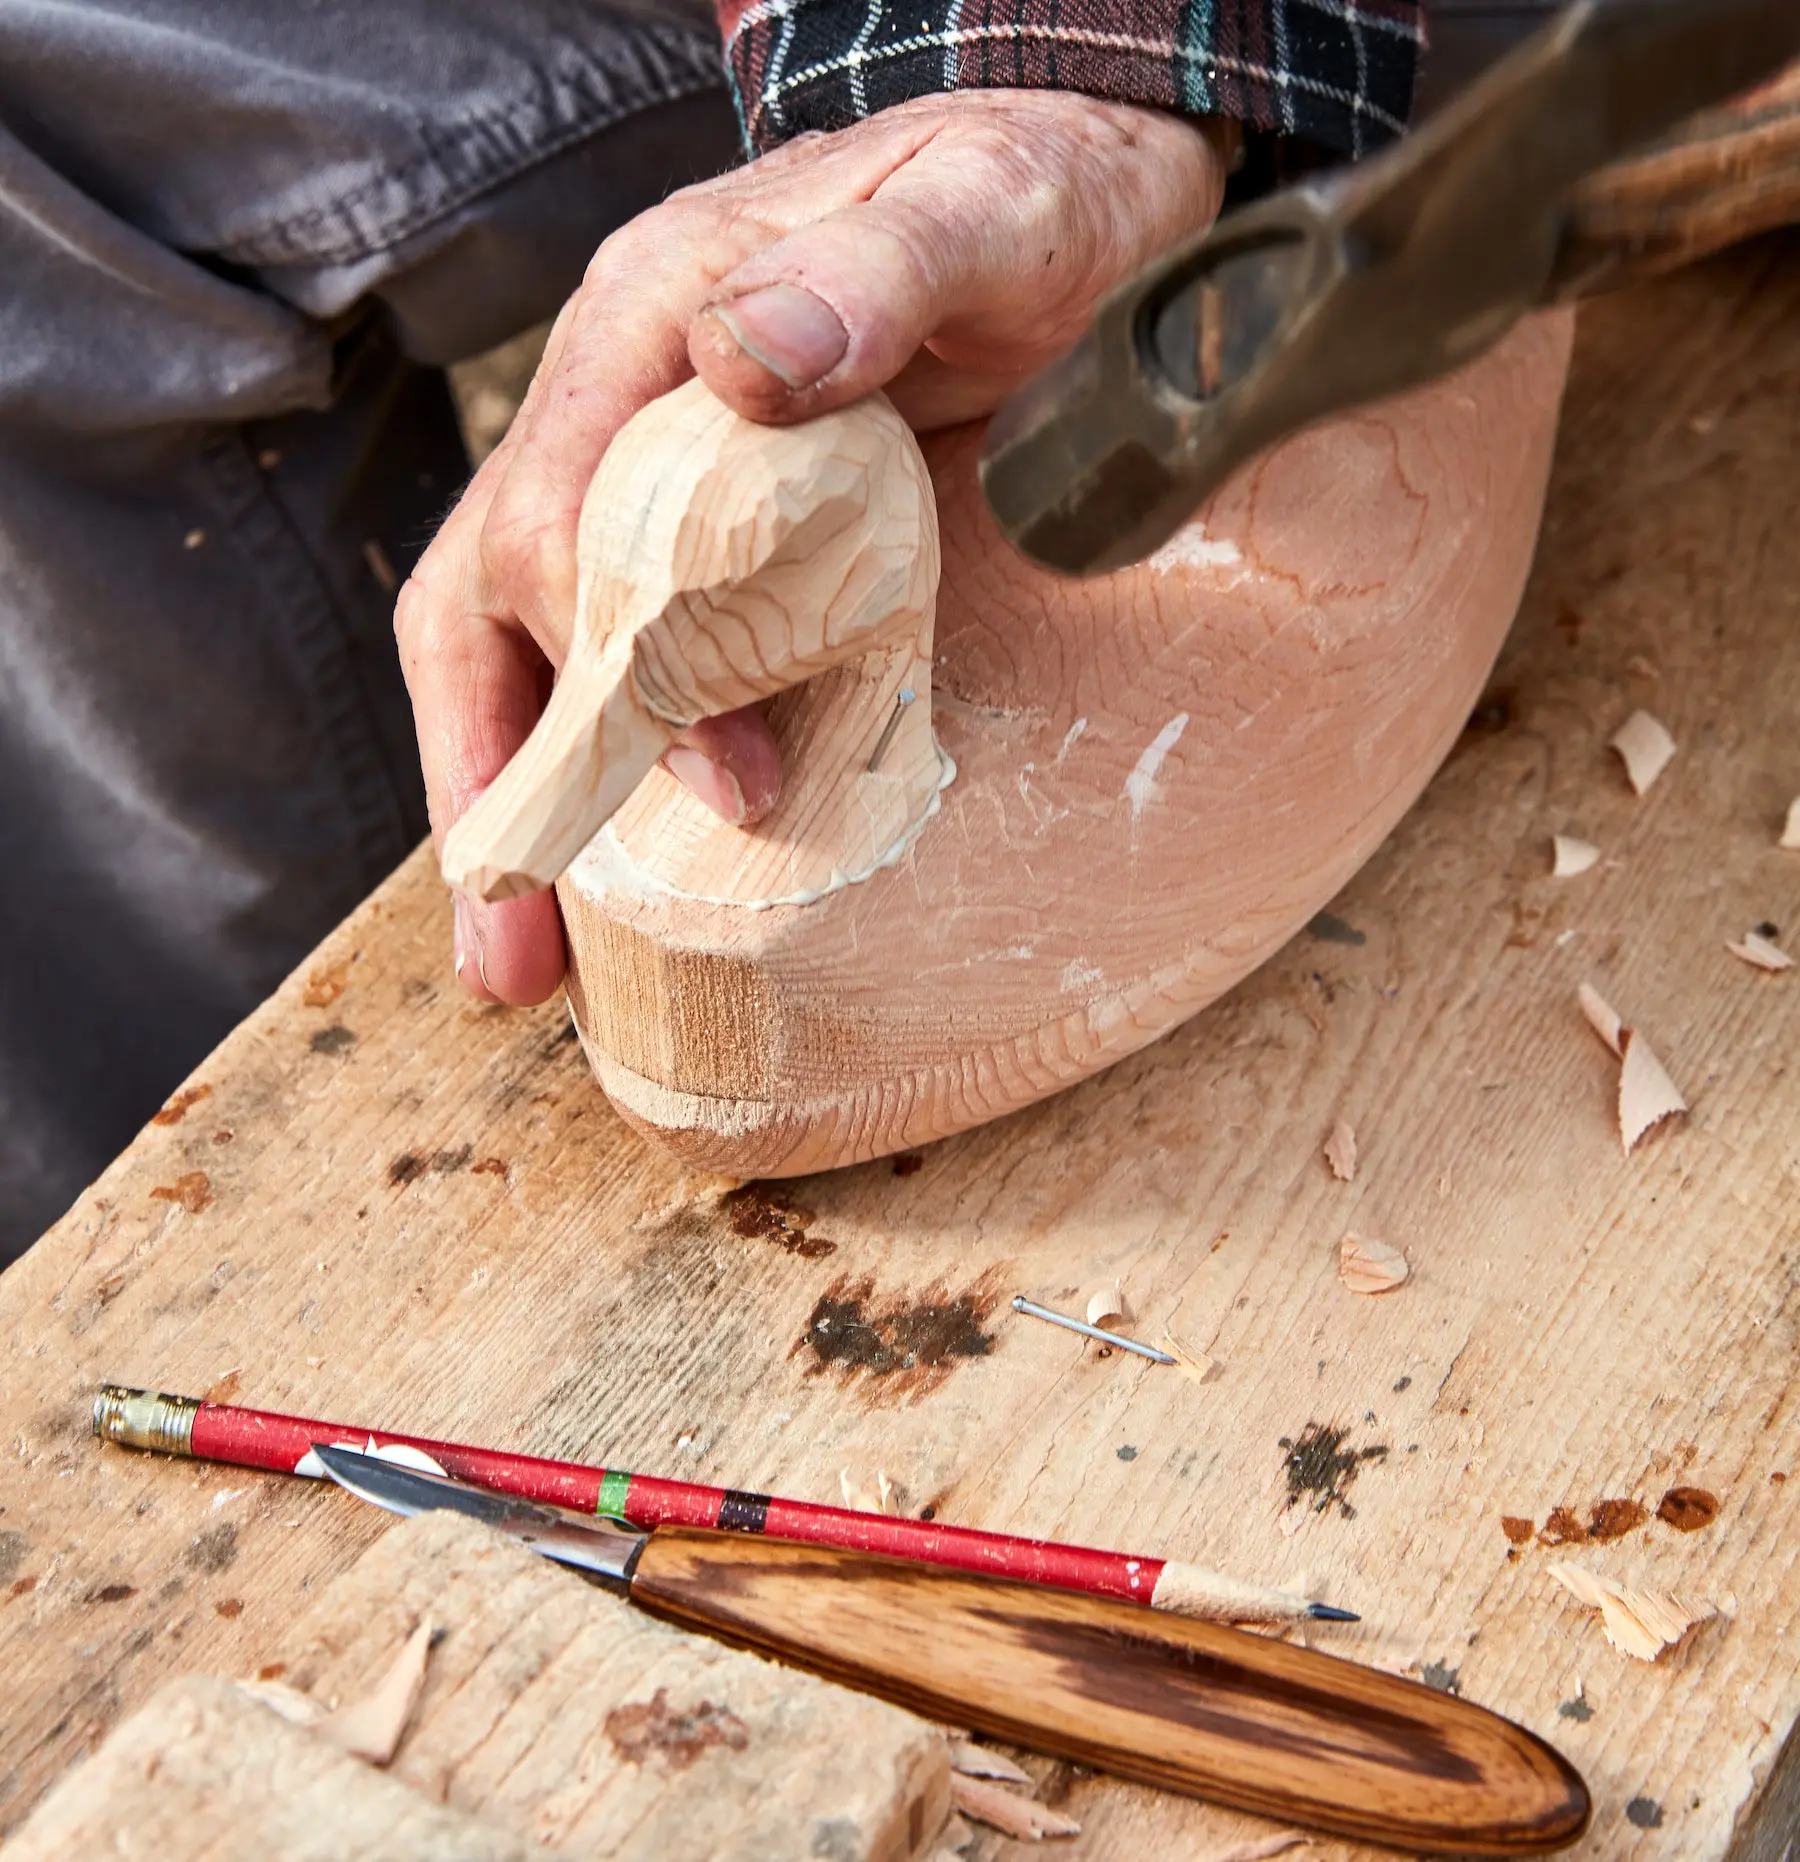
(731, 763)
(477, 684)
(991, 243)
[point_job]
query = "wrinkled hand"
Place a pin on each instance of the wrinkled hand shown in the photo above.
(939, 250)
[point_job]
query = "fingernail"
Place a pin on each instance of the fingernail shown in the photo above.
(789, 331)
(712, 782)
(461, 932)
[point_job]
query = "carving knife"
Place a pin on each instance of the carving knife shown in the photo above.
(1362, 283)
(1216, 1713)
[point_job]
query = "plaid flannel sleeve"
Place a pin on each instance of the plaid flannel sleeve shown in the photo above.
(1335, 72)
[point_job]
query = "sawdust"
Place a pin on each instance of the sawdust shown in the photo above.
(1189, 1362)
(1647, 1095)
(1366, 1266)
(1645, 746)
(1641, 1623)
(1790, 833)
(884, 1500)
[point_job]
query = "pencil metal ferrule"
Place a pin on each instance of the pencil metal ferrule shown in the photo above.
(145, 1419)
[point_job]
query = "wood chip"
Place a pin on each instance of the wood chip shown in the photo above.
(1646, 748)
(975, 1761)
(1370, 1266)
(1340, 1151)
(1191, 1363)
(885, 1499)
(1008, 1812)
(1640, 1622)
(296, 1708)
(1107, 1304)
(1757, 951)
(372, 1728)
(1647, 1095)
(1790, 835)
(1603, 1018)
(1260, 1848)
(1569, 856)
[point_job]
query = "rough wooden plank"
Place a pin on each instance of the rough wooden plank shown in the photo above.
(425, 1215)
(203, 1773)
(556, 1709)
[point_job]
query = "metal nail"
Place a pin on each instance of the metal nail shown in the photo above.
(1022, 1304)
(902, 699)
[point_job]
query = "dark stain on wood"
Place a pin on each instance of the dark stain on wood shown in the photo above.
(1645, 1812)
(1494, 711)
(489, 1167)
(215, 1549)
(1687, 1509)
(759, 1213)
(230, 1607)
(1577, 1710)
(112, 1593)
(410, 1166)
(193, 1191)
(907, 1342)
(326, 984)
(1320, 1468)
(1518, 1531)
(1332, 929)
(1607, 1520)
(22, 1587)
(1612, 1519)
(908, 1162)
(177, 1109)
(13, 1547)
(1442, 1678)
(645, 1729)
(336, 1039)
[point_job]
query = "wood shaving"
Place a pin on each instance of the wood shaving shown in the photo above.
(1757, 951)
(1108, 1304)
(1260, 1848)
(1569, 856)
(1603, 1018)
(884, 1500)
(1191, 1363)
(983, 1762)
(1645, 747)
(1340, 1151)
(1370, 1266)
(1647, 1095)
(1639, 1622)
(1790, 834)
(372, 1728)
(1015, 1816)
(296, 1708)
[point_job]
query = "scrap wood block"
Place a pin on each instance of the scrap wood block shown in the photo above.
(556, 1709)
(204, 1773)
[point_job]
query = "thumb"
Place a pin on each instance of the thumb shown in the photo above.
(991, 247)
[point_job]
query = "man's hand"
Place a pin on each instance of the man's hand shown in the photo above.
(940, 250)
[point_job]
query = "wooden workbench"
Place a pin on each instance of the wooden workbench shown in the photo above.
(383, 1204)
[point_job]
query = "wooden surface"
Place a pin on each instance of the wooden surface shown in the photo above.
(391, 1205)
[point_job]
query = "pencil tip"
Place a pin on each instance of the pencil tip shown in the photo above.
(1330, 1613)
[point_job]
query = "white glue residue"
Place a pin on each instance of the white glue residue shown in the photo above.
(605, 864)
(1191, 548)
(1140, 786)
(399, 1453)
(1068, 742)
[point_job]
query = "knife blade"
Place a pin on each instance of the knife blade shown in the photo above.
(1216, 1713)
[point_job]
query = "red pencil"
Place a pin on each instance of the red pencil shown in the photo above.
(256, 1438)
